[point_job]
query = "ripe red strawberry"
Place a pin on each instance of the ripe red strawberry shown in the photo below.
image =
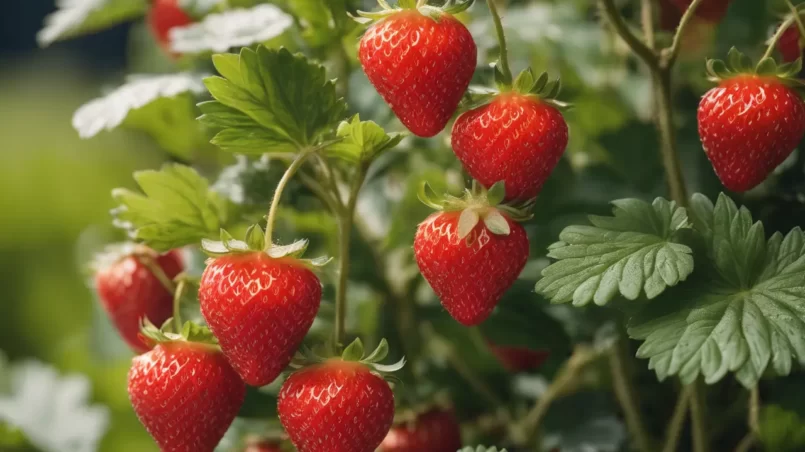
(185, 394)
(336, 406)
(421, 63)
(434, 431)
(129, 291)
(263, 446)
(789, 45)
(518, 359)
(164, 16)
(748, 125)
(470, 254)
(517, 138)
(260, 308)
(709, 10)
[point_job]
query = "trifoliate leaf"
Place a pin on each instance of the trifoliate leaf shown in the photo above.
(159, 104)
(781, 430)
(362, 140)
(176, 209)
(78, 17)
(742, 313)
(231, 29)
(269, 101)
(636, 251)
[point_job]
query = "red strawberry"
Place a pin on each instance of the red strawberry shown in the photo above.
(434, 431)
(263, 446)
(164, 16)
(336, 406)
(709, 10)
(420, 64)
(516, 138)
(129, 291)
(260, 309)
(519, 359)
(748, 125)
(472, 256)
(185, 394)
(789, 44)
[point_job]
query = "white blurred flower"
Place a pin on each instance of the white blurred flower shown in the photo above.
(52, 410)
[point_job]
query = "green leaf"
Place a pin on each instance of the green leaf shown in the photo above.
(481, 449)
(743, 313)
(230, 29)
(319, 25)
(636, 251)
(78, 17)
(781, 430)
(270, 101)
(354, 351)
(362, 141)
(177, 208)
(161, 105)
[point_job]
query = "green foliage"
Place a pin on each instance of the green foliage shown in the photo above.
(638, 250)
(781, 430)
(743, 313)
(270, 101)
(177, 208)
(78, 17)
(481, 449)
(362, 141)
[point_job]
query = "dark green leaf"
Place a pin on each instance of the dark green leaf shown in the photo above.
(362, 141)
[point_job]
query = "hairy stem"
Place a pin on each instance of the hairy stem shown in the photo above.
(345, 223)
(777, 35)
(505, 69)
(701, 440)
(647, 18)
(275, 201)
(672, 53)
(610, 11)
(624, 392)
(674, 430)
(668, 145)
(797, 18)
(177, 304)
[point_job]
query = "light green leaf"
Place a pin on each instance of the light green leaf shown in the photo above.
(319, 25)
(742, 314)
(176, 209)
(231, 29)
(636, 251)
(271, 101)
(362, 141)
(78, 17)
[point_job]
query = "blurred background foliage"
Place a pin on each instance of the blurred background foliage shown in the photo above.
(56, 198)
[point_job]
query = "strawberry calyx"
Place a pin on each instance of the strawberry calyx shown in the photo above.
(540, 88)
(191, 333)
(738, 64)
(353, 354)
(255, 243)
(478, 204)
(451, 7)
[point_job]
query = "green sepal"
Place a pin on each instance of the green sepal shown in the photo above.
(502, 80)
(354, 352)
(191, 332)
(255, 243)
(451, 7)
(526, 83)
(255, 238)
(738, 64)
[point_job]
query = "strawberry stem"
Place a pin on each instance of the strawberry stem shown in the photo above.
(797, 18)
(777, 35)
(177, 303)
(151, 264)
(671, 54)
(272, 212)
(677, 423)
(504, 53)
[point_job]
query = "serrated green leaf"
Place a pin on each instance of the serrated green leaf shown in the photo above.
(781, 430)
(78, 17)
(742, 314)
(636, 251)
(177, 208)
(362, 141)
(274, 101)
(230, 29)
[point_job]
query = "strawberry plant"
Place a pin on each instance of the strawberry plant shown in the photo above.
(565, 295)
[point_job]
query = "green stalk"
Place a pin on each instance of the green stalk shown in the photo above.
(672, 53)
(346, 220)
(275, 201)
(777, 35)
(624, 392)
(177, 303)
(674, 430)
(797, 18)
(505, 69)
(701, 440)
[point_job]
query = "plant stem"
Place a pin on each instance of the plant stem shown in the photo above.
(701, 442)
(677, 422)
(505, 69)
(670, 54)
(797, 18)
(754, 410)
(345, 222)
(177, 303)
(610, 11)
(624, 392)
(665, 123)
(777, 35)
(275, 201)
(148, 261)
(746, 443)
(647, 18)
